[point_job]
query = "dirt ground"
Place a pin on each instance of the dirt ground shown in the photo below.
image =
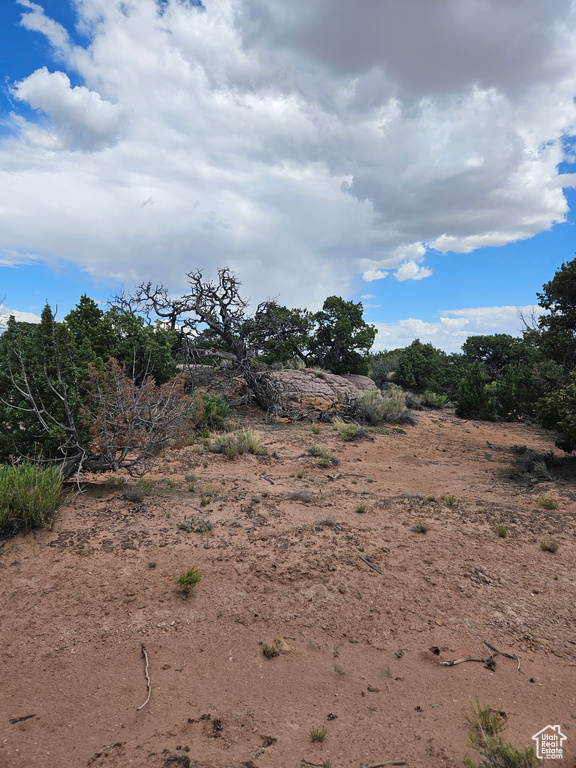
(363, 649)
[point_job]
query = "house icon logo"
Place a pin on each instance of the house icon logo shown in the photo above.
(549, 743)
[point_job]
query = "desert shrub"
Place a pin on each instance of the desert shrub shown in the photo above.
(415, 402)
(324, 456)
(376, 407)
(215, 412)
(270, 651)
(115, 482)
(238, 444)
(501, 529)
(496, 754)
(549, 546)
(361, 508)
(329, 521)
(315, 429)
(547, 502)
(185, 581)
(137, 491)
(450, 500)
(318, 734)
(29, 496)
(348, 430)
(433, 400)
(420, 526)
(304, 496)
(485, 721)
(535, 464)
(382, 365)
(196, 525)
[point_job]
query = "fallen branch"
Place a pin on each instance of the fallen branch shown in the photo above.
(316, 765)
(491, 647)
(343, 474)
(265, 477)
(371, 565)
(381, 765)
(15, 720)
(147, 679)
(490, 660)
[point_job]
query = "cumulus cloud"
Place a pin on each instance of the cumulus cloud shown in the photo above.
(454, 326)
(302, 144)
(80, 118)
(23, 317)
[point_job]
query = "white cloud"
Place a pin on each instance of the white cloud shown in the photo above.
(368, 296)
(82, 118)
(454, 326)
(280, 138)
(409, 270)
(24, 317)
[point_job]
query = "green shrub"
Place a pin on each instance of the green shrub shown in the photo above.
(348, 431)
(549, 546)
(376, 407)
(486, 721)
(235, 445)
(547, 502)
(324, 456)
(196, 525)
(361, 508)
(432, 400)
(476, 398)
(270, 651)
(496, 754)
(420, 526)
(185, 581)
(318, 734)
(501, 529)
(215, 412)
(29, 496)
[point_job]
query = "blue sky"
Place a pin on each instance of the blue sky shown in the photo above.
(413, 157)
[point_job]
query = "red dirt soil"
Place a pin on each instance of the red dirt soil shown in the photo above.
(362, 651)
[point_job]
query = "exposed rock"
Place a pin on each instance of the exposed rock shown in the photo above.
(301, 391)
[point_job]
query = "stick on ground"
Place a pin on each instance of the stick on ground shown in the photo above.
(147, 679)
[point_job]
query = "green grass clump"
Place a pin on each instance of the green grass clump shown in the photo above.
(29, 496)
(348, 430)
(361, 508)
(501, 529)
(547, 502)
(215, 412)
(235, 445)
(485, 721)
(375, 407)
(185, 581)
(496, 754)
(549, 546)
(450, 500)
(270, 651)
(196, 525)
(317, 734)
(315, 429)
(114, 482)
(433, 400)
(325, 457)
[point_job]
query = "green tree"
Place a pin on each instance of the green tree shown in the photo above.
(558, 327)
(475, 398)
(558, 411)
(343, 338)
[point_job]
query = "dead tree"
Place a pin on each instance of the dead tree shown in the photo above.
(213, 312)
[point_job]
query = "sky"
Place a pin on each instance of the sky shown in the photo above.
(416, 156)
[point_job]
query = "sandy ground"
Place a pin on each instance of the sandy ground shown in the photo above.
(362, 649)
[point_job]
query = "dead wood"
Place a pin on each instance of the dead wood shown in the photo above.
(371, 565)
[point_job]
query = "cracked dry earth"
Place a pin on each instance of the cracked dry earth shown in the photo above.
(361, 648)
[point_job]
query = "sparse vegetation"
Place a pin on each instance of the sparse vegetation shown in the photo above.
(531, 464)
(547, 502)
(238, 444)
(348, 430)
(325, 457)
(317, 734)
(114, 482)
(361, 508)
(215, 413)
(270, 651)
(549, 545)
(315, 429)
(450, 500)
(496, 754)
(185, 581)
(501, 529)
(29, 496)
(420, 526)
(196, 525)
(486, 721)
(376, 407)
